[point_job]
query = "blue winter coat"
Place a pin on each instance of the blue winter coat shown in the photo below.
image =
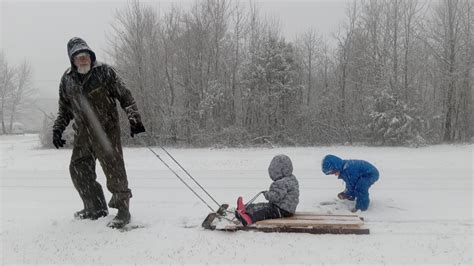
(358, 175)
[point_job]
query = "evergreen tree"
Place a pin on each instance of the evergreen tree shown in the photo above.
(394, 123)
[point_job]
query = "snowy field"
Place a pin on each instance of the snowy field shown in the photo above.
(421, 209)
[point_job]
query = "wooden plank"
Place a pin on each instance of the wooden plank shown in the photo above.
(328, 218)
(288, 222)
(309, 230)
(325, 215)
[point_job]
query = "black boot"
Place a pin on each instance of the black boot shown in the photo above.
(94, 202)
(120, 220)
(91, 214)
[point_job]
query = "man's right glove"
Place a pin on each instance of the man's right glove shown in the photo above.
(136, 127)
(57, 138)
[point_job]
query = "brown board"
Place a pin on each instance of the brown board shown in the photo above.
(307, 222)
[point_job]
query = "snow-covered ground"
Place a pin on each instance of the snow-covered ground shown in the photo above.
(421, 209)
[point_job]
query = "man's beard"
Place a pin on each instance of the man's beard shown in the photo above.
(84, 69)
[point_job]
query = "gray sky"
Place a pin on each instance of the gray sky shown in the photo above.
(38, 31)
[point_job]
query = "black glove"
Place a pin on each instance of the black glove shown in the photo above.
(57, 138)
(136, 127)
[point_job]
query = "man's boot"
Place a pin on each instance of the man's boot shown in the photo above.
(121, 219)
(123, 215)
(91, 214)
(93, 210)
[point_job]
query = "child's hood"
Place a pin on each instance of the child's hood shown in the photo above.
(280, 167)
(332, 163)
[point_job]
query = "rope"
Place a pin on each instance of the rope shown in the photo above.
(186, 184)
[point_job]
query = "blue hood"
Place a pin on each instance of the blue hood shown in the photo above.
(332, 163)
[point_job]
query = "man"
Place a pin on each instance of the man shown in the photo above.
(87, 93)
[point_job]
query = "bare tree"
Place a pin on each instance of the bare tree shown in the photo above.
(6, 89)
(240, 30)
(410, 18)
(22, 91)
(310, 43)
(170, 30)
(15, 92)
(446, 42)
(345, 47)
(465, 118)
(136, 56)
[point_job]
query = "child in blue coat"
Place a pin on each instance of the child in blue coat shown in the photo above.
(358, 175)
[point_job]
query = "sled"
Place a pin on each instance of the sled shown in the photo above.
(302, 222)
(219, 214)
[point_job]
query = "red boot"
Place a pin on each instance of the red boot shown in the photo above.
(243, 217)
(240, 204)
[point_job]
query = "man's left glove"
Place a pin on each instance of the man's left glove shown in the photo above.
(58, 138)
(136, 127)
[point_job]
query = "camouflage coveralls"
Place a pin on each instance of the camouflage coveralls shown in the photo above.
(90, 100)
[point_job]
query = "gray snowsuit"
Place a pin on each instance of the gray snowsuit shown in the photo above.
(283, 194)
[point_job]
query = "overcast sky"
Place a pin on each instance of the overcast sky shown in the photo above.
(37, 31)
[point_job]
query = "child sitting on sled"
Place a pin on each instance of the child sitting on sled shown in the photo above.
(283, 195)
(358, 175)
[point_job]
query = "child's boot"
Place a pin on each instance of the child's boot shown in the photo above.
(243, 217)
(240, 204)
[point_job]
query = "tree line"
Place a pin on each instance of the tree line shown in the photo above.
(397, 72)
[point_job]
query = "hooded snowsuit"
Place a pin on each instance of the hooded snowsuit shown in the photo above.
(283, 194)
(90, 100)
(358, 175)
